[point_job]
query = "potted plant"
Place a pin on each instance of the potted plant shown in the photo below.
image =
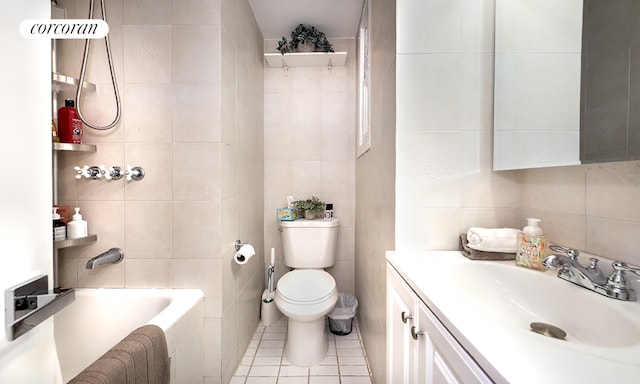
(311, 206)
(305, 38)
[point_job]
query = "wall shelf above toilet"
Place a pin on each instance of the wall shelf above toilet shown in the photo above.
(306, 59)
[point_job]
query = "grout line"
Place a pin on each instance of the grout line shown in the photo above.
(332, 339)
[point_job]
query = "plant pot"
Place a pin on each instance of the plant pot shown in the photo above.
(306, 47)
(309, 214)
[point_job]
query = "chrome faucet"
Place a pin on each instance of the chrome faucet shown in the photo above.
(112, 256)
(591, 277)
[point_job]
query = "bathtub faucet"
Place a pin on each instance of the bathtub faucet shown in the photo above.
(112, 256)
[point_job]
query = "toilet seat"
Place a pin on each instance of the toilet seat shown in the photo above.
(306, 286)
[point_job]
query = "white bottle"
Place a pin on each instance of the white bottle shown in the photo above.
(532, 228)
(77, 228)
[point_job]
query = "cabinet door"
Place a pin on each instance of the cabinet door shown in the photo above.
(441, 359)
(401, 356)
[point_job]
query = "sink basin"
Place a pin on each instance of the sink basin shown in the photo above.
(489, 307)
(517, 297)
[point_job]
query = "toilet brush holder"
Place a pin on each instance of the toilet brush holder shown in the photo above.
(269, 313)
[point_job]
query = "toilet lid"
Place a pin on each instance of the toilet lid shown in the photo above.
(306, 285)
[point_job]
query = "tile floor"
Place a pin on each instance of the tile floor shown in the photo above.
(265, 362)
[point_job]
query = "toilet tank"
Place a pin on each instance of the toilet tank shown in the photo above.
(309, 243)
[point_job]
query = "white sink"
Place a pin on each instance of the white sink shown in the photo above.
(517, 297)
(489, 307)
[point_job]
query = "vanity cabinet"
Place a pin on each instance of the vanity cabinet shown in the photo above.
(420, 350)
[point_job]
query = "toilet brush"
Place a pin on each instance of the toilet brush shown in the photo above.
(270, 290)
(269, 312)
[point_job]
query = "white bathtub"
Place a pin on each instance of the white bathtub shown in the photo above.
(100, 318)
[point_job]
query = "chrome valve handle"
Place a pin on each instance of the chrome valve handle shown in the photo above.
(112, 173)
(116, 172)
(134, 173)
(88, 172)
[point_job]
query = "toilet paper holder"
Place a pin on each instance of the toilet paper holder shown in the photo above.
(243, 252)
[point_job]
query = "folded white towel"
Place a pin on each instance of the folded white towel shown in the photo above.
(493, 239)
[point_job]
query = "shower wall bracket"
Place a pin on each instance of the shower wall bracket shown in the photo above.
(30, 303)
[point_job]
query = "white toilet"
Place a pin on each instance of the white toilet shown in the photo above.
(307, 293)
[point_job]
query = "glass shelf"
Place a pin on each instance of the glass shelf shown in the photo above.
(75, 242)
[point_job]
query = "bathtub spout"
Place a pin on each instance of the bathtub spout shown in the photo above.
(112, 256)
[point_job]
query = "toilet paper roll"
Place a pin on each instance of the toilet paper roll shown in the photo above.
(244, 254)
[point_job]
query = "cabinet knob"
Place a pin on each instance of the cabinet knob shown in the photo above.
(405, 317)
(415, 333)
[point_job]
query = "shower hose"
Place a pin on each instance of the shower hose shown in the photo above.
(87, 44)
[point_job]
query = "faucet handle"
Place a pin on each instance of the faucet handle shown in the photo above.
(621, 266)
(572, 253)
(617, 279)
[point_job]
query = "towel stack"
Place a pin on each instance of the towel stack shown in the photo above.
(140, 358)
(493, 239)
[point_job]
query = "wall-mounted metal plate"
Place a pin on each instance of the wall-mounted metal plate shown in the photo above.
(30, 303)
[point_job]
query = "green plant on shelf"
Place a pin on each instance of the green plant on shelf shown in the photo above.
(305, 38)
(311, 206)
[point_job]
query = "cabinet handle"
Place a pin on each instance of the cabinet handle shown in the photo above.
(405, 317)
(415, 333)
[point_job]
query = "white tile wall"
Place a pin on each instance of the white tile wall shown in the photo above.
(309, 150)
(444, 106)
(592, 207)
(202, 152)
(444, 179)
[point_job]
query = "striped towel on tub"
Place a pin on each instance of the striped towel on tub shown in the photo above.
(140, 358)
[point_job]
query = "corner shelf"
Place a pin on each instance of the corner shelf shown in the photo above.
(75, 242)
(306, 59)
(60, 82)
(73, 147)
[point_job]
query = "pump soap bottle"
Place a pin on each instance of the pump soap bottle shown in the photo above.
(77, 228)
(531, 246)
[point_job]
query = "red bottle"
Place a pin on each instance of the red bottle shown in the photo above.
(69, 124)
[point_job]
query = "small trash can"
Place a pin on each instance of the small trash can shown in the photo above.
(341, 316)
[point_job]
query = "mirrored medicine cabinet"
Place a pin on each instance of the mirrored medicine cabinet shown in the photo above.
(567, 82)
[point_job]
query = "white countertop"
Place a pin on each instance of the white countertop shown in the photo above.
(514, 354)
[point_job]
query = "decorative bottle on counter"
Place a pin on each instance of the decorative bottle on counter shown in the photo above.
(69, 124)
(77, 228)
(531, 246)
